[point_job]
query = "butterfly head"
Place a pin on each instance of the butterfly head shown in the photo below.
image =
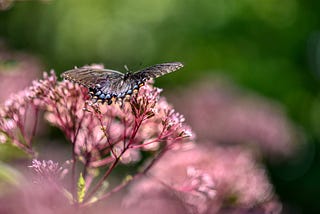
(127, 75)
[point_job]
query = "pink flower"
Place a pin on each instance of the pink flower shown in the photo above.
(48, 171)
(101, 135)
(207, 179)
(17, 70)
(223, 114)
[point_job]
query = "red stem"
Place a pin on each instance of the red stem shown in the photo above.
(108, 172)
(74, 160)
(124, 184)
(96, 188)
(34, 128)
(102, 162)
(73, 174)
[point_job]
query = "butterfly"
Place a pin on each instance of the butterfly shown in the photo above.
(107, 85)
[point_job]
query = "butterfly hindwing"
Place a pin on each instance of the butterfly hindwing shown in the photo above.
(118, 87)
(90, 77)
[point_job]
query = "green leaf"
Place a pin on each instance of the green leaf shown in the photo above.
(9, 175)
(81, 188)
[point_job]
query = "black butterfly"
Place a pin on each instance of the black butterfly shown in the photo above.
(108, 85)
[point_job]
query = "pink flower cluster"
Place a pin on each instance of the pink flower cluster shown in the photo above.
(48, 171)
(228, 115)
(208, 179)
(179, 176)
(18, 122)
(101, 135)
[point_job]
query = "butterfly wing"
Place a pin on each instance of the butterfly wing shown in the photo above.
(103, 84)
(92, 77)
(157, 70)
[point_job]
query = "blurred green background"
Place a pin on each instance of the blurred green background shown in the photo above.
(268, 46)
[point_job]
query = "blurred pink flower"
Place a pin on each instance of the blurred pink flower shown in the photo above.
(17, 70)
(19, 117)
(18, 121)
(32, 198)
(221, 113)
(208, 179)
(48, 171)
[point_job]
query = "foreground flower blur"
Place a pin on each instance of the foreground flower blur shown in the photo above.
(209, 179)
(17, 70)
(229, 115)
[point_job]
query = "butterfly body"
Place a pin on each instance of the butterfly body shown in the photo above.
(107, 85)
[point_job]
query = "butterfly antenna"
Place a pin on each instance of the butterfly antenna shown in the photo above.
(126, 67)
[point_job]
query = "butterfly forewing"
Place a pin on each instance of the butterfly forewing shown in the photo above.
(107, 85)
(158, 70)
